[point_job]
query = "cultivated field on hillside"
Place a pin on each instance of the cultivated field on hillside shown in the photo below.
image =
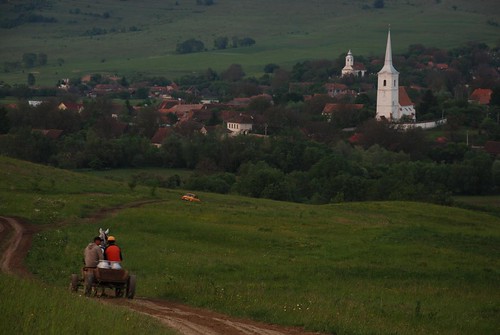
(131, 38)
(363, 268)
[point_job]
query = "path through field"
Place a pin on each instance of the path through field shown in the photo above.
(15, 241)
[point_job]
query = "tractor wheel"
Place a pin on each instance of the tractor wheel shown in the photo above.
(119, 292)
(131, 287)
(74, 283)
(89, 283)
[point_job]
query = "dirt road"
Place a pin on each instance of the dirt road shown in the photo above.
(15, 240)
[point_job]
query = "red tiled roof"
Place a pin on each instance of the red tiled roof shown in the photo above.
(201, 115)
(72, 106)
(359, 67)
(228, 115)
(242, 119)
(333, 107)
(166, 104)
(481, 95)
(442, 66)
(239, 102)
(160, 135)
(335, 86)
(492, 147)
(50, 133)
(404, 99)
(184, 108)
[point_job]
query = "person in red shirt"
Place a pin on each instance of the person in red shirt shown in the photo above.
(113, 253)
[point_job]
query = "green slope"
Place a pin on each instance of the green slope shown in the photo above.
(354, 268)
(285, 31)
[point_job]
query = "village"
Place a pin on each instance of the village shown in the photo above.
(218, 123)
(348, 98)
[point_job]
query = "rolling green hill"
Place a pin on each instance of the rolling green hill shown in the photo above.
(353, 268)
(129, 37)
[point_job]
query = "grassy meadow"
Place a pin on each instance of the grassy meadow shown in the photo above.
(46, 195)
(32, 308)
(125, 175)
(351, 268)
(286, 32)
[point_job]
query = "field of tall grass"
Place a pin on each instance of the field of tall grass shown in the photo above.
(32, 308)
(45, 195)
(351, 268)
(286, 32)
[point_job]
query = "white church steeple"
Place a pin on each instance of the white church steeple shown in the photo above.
(349, 60)
(388, 87)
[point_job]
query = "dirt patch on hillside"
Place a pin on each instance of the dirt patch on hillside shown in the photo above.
(16, 237)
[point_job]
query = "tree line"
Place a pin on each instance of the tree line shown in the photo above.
(387, 164)
(220, 43)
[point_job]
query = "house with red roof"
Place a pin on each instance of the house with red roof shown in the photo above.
(481, 96)
(244, 102)
(331, 108)
(160, 135)
(492, 147)
(71, 106)
(241, 124)
(184, 112)
(163, 91)
(50, 133)
(336, 89)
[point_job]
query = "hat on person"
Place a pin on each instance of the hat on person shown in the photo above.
(111, 239)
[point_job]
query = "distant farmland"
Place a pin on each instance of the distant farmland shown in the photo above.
(133, 38)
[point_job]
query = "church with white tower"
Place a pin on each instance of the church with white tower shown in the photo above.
(393, 102)
(350, 68)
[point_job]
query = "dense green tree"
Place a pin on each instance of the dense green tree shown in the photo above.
(205, 2)
(4, 121)
(221, 42)
(428, 108)
(233, 73)
(378, 4)
(31, 79)
(171, 152)
(147, 121)
(495, 172)
(271, 67)
(189, 46)
(246, 42)
(29, 59)
(258, 179)
(42, 59)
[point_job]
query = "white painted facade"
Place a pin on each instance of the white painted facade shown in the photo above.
(388, 88)
(423, 125)
(350, 69)
(239, 128)
(349, 63)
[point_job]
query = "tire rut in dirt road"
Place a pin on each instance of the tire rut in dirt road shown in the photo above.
(16, 246)
(196, 321)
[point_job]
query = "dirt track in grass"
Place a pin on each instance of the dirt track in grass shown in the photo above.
(16, 236)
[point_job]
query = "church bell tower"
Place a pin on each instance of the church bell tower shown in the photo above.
(388, 87)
